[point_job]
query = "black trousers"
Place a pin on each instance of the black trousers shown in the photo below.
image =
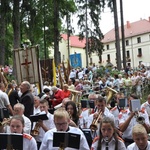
(38, 145)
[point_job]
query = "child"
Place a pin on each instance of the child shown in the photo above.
(107, 137)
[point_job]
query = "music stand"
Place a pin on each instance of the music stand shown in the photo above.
(37, 117)
(66, 139)
(87, 133)
(92, 104)
(87, 104)
(122, 102)
(3, 113)
(135, 105)
(11, 141)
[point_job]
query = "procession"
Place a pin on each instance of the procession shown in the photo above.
(74, 75)
(107, 112)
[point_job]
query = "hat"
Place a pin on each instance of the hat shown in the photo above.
(42, 96)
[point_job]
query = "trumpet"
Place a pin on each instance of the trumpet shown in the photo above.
(36, 129)
(94, 125)
(6, 122)
(140, 119)
(70, 115)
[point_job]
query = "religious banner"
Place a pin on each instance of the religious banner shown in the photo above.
(47, 69)
(27, 65)
(76, 60)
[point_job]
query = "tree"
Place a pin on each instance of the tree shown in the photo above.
(28, 19)
(4, 9)
(94, 7)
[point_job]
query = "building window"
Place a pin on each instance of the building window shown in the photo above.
(127, 42)
(108, 58)
(128, 54)
(139, 52)
(139, 40)
(107, 46)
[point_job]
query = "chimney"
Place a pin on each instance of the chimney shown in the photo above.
(128, 24)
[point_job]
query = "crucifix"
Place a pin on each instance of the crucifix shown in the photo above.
(45, 72)
(26, 63)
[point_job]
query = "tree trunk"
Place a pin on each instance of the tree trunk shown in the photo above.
(118, 55)
(16, 29)
(56, 33)
(2, 32)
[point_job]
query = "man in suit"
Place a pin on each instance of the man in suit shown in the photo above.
(27, 98)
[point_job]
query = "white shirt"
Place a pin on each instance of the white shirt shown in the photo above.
(47, 143)
(36, 110)
(80, 75)
(83, 119)
(49, 124)
(27, 124)
(105, 114)
(115, 112)
(4, 100)
(123, 116)
(111, 145)
(72, 74)
(146, 105)
(29, 142)
(133, 146)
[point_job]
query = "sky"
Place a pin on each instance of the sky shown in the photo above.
(133, 10)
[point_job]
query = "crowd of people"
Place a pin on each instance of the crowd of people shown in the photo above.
(110, 126)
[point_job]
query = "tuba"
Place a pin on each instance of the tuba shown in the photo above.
(94, 125)
(75, 95)
(110, 94)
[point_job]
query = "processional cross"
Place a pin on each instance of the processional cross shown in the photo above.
(26, 63)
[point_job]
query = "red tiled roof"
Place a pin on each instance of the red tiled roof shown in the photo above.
(130, 30)
(74, 41)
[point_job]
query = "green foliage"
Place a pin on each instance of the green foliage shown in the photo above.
(101, 72)
(93, 9)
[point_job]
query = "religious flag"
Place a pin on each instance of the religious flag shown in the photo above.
(27, 65)
(54, 73)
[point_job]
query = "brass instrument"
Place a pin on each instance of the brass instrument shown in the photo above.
(6, 122)
(75, 95)
(110, 93)
(35, 131)
(94, 126)
(70, 115)
(140, 119)
(61, 147)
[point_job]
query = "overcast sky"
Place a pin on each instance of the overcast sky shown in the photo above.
(134, 10)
